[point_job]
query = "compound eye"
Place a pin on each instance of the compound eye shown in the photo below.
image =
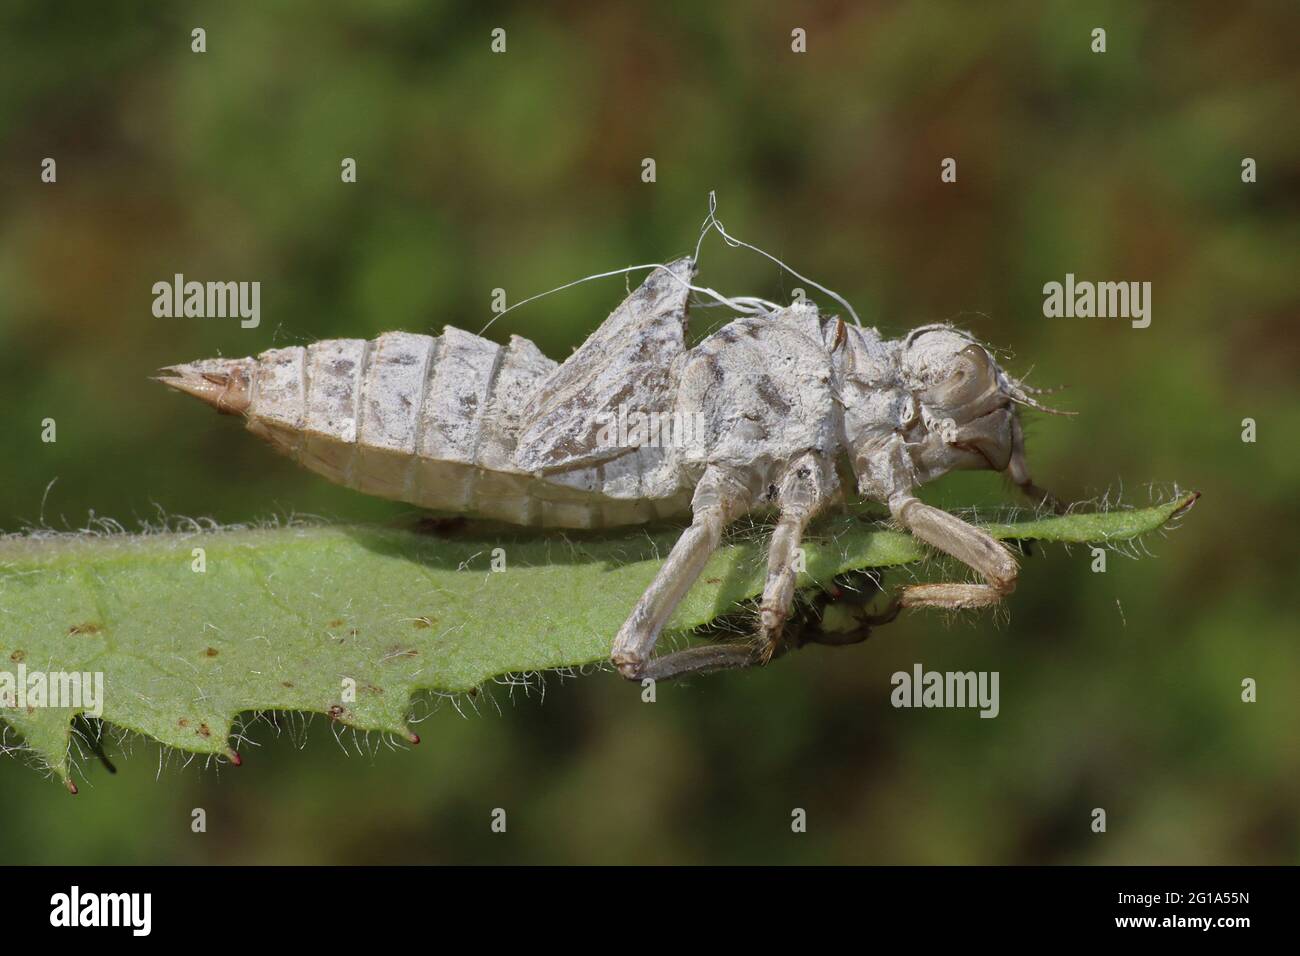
(971, 379)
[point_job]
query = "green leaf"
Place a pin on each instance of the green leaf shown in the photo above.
(281, 618)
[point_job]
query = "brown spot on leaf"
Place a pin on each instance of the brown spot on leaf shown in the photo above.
(18, 656)
(183, 722)
(713, 580)
(211, 652)
(337, 711)
(204, 730)
(90, 627)
(425, 622)
(286, 683)
(335, 623)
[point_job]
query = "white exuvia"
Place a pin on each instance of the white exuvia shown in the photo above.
(786, 402)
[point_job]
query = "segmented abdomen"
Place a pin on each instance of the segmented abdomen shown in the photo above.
(427, 420)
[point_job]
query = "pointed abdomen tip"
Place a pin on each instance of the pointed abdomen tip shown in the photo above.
(225, 384)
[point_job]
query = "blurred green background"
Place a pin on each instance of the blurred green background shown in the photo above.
(523, 171)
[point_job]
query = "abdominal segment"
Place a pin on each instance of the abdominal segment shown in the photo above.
(432, 421)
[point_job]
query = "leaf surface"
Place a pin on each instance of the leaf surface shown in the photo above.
(293, 618)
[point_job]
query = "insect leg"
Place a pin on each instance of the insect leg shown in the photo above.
(701, 660)
(805, 488)
(1018, 472)
(967, 544)
(718, 500)
(720, 657)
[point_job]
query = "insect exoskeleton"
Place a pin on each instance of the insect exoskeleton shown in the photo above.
(779, 404)
(459, 423)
